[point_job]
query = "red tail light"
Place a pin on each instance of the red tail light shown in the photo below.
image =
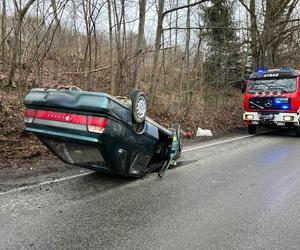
(96, 124)
(29, 115)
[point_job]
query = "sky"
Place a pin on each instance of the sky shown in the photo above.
(69, 14)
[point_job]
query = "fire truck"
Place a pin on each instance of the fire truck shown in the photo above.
(272, 99)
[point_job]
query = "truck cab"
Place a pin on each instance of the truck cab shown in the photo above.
(272, 99)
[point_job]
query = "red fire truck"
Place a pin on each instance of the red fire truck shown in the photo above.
(272, 99)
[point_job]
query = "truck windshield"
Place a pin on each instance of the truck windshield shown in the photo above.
(284, 85)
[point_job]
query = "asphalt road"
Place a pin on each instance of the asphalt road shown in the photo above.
(240, 194)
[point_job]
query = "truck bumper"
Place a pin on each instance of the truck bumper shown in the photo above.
(278, 119)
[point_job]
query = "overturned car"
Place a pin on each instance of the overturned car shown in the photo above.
(101, 132)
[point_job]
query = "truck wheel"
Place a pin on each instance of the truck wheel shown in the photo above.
(297, 131)
(252, 129)
(139, 105)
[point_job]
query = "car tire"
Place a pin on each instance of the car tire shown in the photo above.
(297, 131)
(138, 105)
(252, 129)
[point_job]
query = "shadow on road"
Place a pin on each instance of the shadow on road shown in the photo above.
(275, 132)
(100, 182)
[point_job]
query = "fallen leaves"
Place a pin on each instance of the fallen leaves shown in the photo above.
(16, 147)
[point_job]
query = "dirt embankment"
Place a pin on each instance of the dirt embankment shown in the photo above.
(17, 149)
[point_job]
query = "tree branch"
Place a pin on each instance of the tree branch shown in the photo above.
(184, 6)
(26, 7)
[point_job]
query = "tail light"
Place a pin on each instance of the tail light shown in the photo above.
(29, 115)
(94, 124)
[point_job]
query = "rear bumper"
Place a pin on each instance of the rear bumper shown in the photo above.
(278, 119)
(62, 135)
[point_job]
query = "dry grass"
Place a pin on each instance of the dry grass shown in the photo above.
(219, 112)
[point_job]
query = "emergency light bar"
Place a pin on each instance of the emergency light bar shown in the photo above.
(264, 72)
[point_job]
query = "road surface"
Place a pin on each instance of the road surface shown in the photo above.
(232, 193)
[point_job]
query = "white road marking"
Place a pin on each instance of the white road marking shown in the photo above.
(14, 190)
(217, 143)
(46, 183)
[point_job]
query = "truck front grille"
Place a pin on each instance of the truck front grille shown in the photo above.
(270, 103)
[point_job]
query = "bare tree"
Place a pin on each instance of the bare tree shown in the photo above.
(20, 14)
(159, 32)
(276, 28)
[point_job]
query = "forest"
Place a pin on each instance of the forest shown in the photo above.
(190, 57)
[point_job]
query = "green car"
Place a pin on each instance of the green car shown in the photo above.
(98, 131)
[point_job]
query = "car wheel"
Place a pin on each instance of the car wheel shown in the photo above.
(252, 129)
(139, 105)
(297, 131)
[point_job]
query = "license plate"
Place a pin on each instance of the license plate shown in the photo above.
(267, 117)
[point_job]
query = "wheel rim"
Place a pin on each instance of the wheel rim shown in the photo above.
(141, 107)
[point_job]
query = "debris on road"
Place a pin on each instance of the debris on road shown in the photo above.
(203, 132)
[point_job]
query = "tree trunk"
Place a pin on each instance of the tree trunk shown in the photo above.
(119, 56)
(198, 65)
(54, 7)
(253, 34)
(174, 61)
(187, 55)
(15, 50)
(140, 41)
(3, 32)
(20, 14)
(159, 31)
(111, 49)
(268, 34)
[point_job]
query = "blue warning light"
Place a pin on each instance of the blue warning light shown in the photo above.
(262, 70)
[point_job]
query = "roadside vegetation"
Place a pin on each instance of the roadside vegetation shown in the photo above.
(190, 57)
